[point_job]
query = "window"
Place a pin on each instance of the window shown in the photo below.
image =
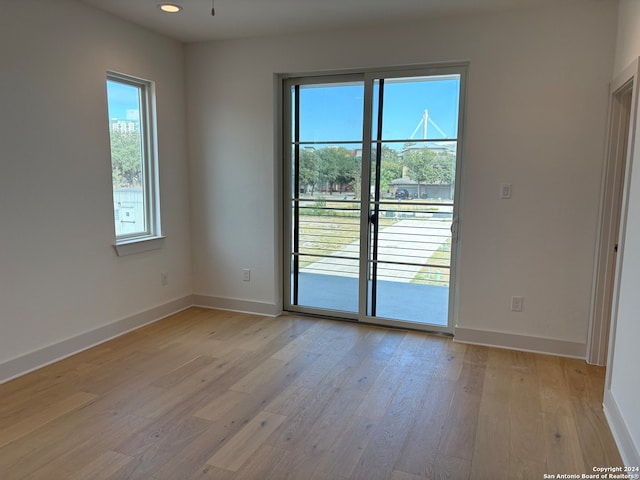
(133, 161)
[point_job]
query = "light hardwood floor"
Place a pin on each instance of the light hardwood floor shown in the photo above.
(206, 394)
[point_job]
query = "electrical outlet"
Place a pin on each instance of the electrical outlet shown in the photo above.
(246, 275)
(505, 191)
(164, 279)
(517, 304)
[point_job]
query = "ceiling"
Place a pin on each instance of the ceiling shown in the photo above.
(251, 18)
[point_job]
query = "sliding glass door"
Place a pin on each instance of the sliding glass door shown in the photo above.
(372, 164)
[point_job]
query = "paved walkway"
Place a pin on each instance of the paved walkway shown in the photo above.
(408, 241)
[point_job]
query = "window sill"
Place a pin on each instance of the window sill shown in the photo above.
(138, 245)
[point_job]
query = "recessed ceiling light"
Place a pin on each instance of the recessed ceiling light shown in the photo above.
(170, 7)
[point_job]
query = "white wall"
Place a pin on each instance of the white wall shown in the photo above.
(59, 275)
(621, 400)
(628, 41)
(536, 113)
(537, 105)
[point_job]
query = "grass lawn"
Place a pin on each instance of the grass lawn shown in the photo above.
(439, 274)
(326, 234)
(326, 227)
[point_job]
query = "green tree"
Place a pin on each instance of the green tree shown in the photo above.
(126, 159)
(337, 165)
(444, 166)
(389, 171)
(390, 154)
(390, 167)
(429, 166)
(308, 172)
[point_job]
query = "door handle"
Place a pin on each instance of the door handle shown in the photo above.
(454, 230)
(373, 218)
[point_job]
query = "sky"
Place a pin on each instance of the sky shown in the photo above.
(122, 98)
(334, 112)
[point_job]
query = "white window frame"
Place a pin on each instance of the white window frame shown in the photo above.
(151, 238)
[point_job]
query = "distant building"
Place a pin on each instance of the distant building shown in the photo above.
(407, 188)
(124, 126)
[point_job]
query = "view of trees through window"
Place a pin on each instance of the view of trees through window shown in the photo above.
(332, 169)
(127, 103)
(126, 152)
(371, 183)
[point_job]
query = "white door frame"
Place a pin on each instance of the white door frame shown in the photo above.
(612, 215)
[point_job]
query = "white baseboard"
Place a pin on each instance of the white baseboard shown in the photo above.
(31, 361)
(18, 366)
(628, 450)
(524, 343)
(235, 305)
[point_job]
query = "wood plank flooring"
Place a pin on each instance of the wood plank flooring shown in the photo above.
(207, 394)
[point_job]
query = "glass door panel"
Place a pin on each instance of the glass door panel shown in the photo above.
(414, 147)
(325, 200)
